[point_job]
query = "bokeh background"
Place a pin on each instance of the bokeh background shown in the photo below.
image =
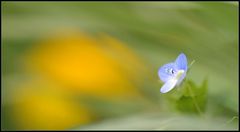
(93, 65)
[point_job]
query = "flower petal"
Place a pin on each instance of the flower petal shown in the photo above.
(167, 71)
(169, 85)
(181, 78)
(181, 62)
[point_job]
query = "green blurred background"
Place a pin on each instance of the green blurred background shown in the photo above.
(92, 65)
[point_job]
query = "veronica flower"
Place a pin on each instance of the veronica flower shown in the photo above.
(172, 74)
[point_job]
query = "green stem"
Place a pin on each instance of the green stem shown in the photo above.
(194, 100)
(191, 63)
(189, 66)
(235, 117)
(232, 119)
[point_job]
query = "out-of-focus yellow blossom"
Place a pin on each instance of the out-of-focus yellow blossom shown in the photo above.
(97, 67)
(39, 107)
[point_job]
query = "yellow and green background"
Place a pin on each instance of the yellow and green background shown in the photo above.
(93, 65)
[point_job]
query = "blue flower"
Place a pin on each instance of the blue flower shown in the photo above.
(172, 74)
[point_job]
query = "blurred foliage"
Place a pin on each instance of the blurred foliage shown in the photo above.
(93, 65)
(156, 121)
(190, 99)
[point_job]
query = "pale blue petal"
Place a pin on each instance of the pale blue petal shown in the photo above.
(169, 85)
(181, 62)
(181, 79)
(164, 73)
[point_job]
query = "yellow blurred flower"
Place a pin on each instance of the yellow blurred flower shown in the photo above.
(40, 107)
(99, 67)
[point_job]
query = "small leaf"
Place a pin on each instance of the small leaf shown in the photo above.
(190, 99)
